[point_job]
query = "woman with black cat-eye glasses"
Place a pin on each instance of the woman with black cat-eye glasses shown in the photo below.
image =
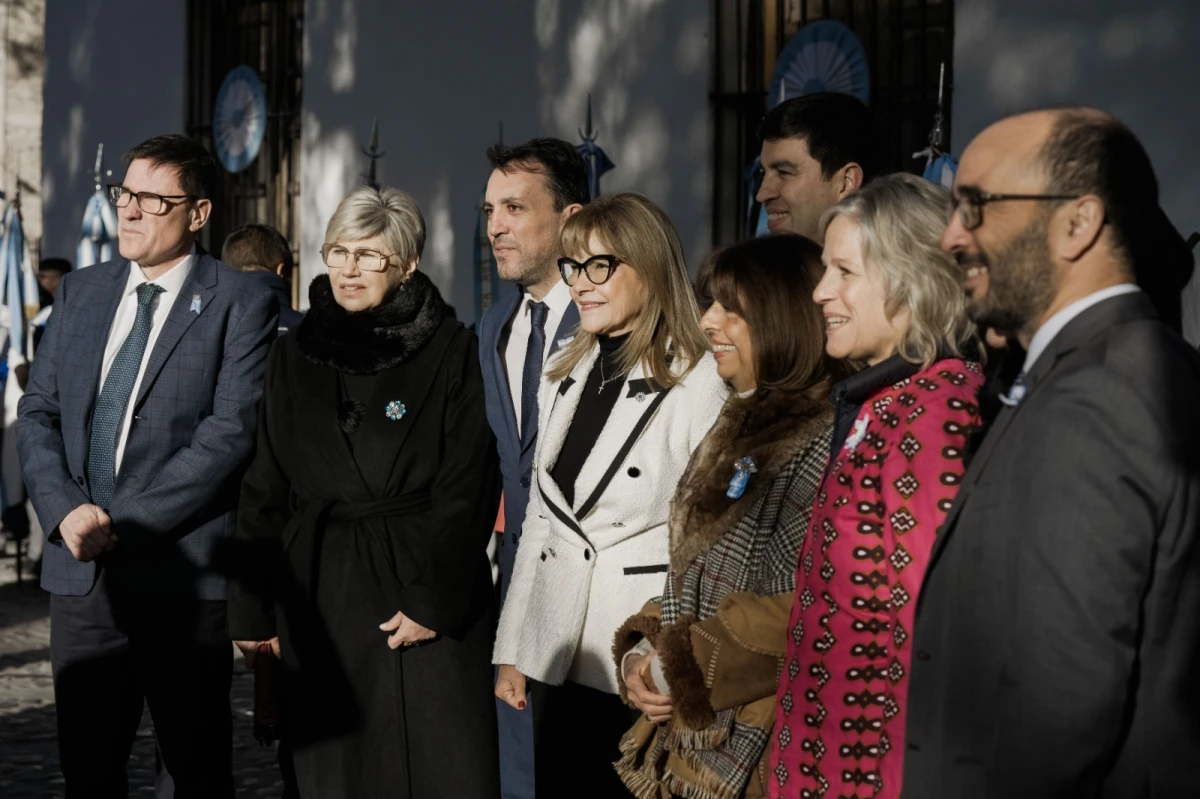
(622, 406)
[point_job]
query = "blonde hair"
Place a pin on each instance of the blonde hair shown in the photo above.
(388, 213)
(901, 218)
(642, 237)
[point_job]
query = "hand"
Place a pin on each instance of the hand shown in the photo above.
(510, 686)
(405, 632)
(250, 649)
(87, 532)
(642, 691)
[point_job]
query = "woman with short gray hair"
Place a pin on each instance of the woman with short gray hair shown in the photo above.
(364, 522)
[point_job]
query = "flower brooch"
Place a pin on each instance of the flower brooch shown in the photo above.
(395, 410)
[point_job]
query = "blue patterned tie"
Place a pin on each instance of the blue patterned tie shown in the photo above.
(532, 373)
(114, 399)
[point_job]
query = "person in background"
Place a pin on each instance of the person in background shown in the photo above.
(134, 432)
(1057, 625)
(534, 187)
(622, 407)
(892, 302)
(716, 636)
(364, 522)
(263, 252)
(816, 150)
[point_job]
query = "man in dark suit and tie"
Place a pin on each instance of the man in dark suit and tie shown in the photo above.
(533, 188)
(1056, 636)
(134, 431)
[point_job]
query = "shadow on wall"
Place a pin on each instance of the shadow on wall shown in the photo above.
(97, 92)
(529, 64)
(1134, 60)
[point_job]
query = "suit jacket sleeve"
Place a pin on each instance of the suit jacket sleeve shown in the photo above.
(224, 440)
(466, 494)
(52, 488)
(263, 512)
(1103, 479)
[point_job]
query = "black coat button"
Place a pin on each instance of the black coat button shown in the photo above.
(524, 482)
(543, 556)
(635, 471)
(587, 554)
(79, 480)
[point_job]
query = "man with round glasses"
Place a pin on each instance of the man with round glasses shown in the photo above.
(135, 428)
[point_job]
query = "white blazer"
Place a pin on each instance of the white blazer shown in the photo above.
(580, 575)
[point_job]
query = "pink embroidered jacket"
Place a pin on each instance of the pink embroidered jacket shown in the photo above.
(839, 714)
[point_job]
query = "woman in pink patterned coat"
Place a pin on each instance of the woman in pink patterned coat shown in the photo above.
(893, 302)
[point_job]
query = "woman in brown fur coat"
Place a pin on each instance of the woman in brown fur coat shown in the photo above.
(703, 661)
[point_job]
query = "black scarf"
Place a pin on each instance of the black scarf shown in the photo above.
(371, 340)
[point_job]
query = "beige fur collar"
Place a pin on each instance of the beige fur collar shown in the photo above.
(772, 431)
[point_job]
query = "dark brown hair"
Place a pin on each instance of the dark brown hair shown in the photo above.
(558, 161)
(257, 247)
(195, 165)
(769, 282)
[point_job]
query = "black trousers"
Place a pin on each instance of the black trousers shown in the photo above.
(112, 652)
(576, 734)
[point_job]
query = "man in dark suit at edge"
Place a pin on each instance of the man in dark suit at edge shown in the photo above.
(134, 431)
(1056, 636)
(532, 190)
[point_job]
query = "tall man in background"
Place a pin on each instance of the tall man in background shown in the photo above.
(816, 149)
(134, 431)
(533, 188)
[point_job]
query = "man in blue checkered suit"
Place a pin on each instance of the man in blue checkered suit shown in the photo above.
(135, 428)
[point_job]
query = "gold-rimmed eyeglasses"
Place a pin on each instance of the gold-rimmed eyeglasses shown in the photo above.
(336, 257)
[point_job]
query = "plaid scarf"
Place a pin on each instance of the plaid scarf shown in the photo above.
(719, 547)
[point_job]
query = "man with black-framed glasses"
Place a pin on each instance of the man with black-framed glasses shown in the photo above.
(135, 428)
(1056, 638)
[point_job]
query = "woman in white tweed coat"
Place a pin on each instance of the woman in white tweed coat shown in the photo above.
(621, 409)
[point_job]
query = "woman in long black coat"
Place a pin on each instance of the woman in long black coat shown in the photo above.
(364, 524)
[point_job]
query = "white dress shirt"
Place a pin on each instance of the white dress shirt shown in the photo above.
(1054, 325)
(557, 300)
(122, 324)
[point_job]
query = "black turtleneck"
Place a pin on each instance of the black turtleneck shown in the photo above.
(599, 396)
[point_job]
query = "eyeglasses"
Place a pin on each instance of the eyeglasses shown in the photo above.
(148, 202)
(336, 257)
(599, 269)
(970, 202)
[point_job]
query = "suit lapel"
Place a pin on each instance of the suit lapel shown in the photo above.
(500, 387)
(106, 312)
(199, 284)
(556, 421)
(637, 397)
(1077, 332)
(566, 329)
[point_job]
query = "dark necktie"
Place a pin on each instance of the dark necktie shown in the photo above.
(532, 373)
(114, 399)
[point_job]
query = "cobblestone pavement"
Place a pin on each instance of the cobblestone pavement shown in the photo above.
(28, 751)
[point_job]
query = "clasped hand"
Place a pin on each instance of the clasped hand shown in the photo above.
(87, 532)
(642, 691)
(405, 632)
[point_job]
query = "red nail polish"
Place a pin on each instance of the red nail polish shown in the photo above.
(520, 705)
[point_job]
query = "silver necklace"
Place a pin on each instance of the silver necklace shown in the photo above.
(604, 382)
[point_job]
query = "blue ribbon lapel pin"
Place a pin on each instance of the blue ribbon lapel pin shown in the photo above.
(195, 304)
(743, 468)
